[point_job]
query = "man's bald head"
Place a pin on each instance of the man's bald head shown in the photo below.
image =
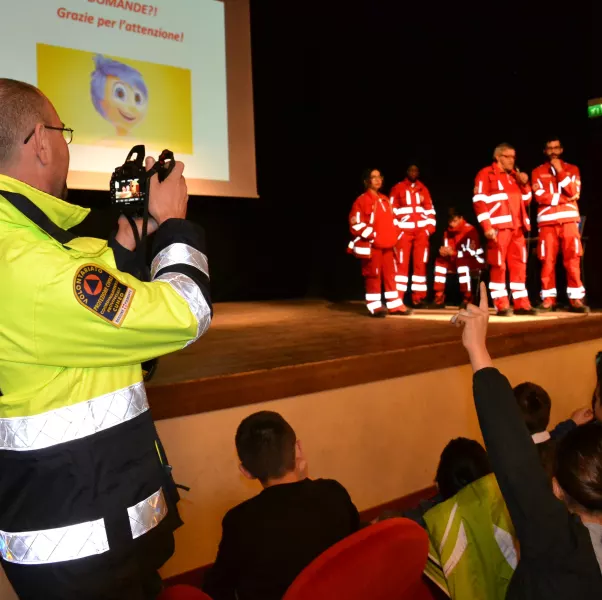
(22, 106)
(26, 114)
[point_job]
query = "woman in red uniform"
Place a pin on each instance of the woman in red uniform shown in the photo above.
(375, 233)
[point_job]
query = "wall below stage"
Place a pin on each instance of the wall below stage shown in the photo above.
(381, 440)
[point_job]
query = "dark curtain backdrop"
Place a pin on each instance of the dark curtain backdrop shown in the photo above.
(338, 89)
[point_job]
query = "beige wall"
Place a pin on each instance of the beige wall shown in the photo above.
(381, 440)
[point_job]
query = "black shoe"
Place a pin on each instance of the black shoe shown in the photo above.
(526, 312)
(543, 308)
(420, 305)
(437, 306)
(378, 314)
(505, 312)
(402, 313)
(579, 308)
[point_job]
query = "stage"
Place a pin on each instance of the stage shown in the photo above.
(260, 351)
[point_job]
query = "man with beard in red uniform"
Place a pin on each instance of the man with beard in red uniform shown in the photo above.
(413, 207)
(375, 232)
(501, 198)
(461, 253)
(557, 187)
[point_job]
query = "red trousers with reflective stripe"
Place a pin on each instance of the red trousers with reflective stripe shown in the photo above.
(508, 248)
(418, 241)
(377, 270)
(551, 239)
(462, 266)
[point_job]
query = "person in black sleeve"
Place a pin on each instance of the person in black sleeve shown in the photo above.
(559, 529)
(535, 405)
(269, 539)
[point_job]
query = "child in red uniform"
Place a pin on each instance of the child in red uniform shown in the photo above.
(462, 253)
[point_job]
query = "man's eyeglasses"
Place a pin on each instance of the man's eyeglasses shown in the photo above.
(67, 133)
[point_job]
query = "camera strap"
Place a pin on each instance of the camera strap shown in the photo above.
(38, 216)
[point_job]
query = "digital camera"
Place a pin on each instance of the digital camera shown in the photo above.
(130, 182)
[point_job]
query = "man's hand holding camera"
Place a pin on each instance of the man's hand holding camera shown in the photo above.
(167, 200)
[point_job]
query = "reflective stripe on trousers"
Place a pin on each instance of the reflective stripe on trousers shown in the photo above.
(78, 541)
(73, 422)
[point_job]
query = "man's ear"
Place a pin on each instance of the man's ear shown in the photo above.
(245, 472)
(41, 144)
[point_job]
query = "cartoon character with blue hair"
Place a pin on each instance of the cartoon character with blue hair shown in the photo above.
(119, 94)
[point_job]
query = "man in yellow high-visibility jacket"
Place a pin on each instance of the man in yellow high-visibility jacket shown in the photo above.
(87, 504)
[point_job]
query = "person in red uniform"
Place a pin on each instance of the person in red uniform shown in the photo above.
(375, 232)
(461, 253)
(413, 207)
(557, 187)
(501, 198)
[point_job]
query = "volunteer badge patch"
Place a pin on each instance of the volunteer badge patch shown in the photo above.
(103, 294)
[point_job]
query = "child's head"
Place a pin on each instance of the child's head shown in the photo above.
(268, 448)
(455, 219)
(462, 462)
(535, 405)
(578, 469)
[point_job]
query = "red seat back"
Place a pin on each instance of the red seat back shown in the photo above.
(384, 561)
(183, 592)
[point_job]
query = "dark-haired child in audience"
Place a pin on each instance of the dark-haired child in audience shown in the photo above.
(269, 539)
(472, 544)
(462, 462)
(535, 406)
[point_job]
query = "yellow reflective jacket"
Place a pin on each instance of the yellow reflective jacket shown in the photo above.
(73, 332)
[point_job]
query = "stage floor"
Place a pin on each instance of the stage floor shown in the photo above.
(266, 350)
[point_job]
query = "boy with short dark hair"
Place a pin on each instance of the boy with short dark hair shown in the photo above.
(535, 405)
(270, 538)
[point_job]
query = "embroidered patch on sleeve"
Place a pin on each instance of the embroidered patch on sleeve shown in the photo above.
(103, 294)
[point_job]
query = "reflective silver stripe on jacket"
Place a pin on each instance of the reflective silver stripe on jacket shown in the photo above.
(193, 296)
(182, 254)
(54, 545)
(78, 541)
(147, 514)
(73, 422)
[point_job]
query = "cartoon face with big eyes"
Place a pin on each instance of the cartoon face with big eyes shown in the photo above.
(119, 94)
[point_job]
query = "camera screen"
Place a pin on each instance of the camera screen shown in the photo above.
(127, 189)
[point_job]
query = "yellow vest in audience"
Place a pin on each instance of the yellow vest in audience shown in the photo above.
(473, 546)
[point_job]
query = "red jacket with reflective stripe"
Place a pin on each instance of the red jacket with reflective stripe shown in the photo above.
(494, 190)
(365, 230)
(465, 242)
(556, 194)
(413, 206)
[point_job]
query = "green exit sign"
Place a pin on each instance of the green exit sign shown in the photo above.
(594, 110)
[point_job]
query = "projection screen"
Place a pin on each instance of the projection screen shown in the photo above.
(170, 74)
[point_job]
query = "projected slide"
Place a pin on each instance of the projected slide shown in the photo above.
(114, 101)
(121, 73)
